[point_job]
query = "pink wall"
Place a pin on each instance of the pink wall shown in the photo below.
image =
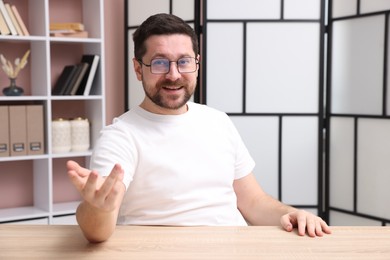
(114, 58)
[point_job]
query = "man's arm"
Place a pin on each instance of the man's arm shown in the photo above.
(258, 208)
(102, 197)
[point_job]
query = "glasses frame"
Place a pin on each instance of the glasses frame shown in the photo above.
(169, 67)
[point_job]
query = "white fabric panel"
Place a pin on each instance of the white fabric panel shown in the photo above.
(135, 90)
(302, 9)
(184, 9)
(341, 163)
(341, 219)
(243, 9)
(342, 8)
(357, 65)
(300, 160)
(282, 67)
(369, 6)
(139, 10)
(225, 66)
(373, 167)
(260, 135)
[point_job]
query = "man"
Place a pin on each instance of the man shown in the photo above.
(171, 161)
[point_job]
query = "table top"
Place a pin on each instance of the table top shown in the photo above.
(142, 242)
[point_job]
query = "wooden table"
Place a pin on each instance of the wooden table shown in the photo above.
(135, 242)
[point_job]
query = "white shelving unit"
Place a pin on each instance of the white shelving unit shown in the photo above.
(53, 200)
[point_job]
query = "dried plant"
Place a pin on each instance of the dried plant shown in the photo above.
(12, 70)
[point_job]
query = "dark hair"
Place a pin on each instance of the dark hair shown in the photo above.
(160, 24)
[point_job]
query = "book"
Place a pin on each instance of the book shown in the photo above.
(20, 21)
(13, 18)
(64, 79)
(83, 70)
(7, 18)
(75, 79)
(86, 83)
(69, 33)
(67, 26)
(4, 30)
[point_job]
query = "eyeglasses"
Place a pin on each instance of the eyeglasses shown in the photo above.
(163, 65)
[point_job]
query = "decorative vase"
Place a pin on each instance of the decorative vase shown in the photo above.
(12, 89)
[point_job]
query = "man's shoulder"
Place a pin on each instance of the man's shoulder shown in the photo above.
(202, 108)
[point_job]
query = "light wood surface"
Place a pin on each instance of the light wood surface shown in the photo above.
(135, 242)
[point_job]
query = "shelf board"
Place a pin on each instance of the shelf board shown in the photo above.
(22, 213)
(77, 97)
(23, 98)
(23, 158)
(71, 154)
(65, 208)
(22, 38)
(75, 40)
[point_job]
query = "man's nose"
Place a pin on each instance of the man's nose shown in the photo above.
(173, 72)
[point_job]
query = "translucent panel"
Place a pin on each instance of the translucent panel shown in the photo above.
(135, 89)
(344, 8)
(243, 9)
(369, 6)
(184, 9)
(139, 10)
(341, 163)
(282, 67)
(342, 219)
(388, 73)
(225, 66)
(373, 167)
(357, 65)
(260, 135)
(300, 160)
(302, 9)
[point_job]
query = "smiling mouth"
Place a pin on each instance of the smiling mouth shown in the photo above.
(172, 87)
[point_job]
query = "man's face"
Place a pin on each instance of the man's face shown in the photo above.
(167, 93)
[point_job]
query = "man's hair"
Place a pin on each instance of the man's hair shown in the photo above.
(161, 24)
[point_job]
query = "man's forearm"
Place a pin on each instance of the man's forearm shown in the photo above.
(96, 225)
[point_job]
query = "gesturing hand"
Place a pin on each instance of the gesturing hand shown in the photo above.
(102, 193)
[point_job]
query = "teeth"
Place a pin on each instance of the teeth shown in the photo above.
(172, 88)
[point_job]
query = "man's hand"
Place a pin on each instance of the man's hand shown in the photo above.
(102, 198)
(305, 221)
(97, 191)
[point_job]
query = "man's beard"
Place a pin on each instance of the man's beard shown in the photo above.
(168, 101)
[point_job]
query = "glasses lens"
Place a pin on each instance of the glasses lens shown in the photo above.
(159, 66)
(186, 65)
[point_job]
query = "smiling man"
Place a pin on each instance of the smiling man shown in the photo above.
(170, 161)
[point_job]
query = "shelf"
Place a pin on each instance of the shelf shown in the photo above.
(41, 180)
(65, 208)
(21, 213)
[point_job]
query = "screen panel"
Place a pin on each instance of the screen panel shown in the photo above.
(225, 59)
(243, 9)
(357, 65)
(373, 167)
(299, 160)
(282, 67)
(293, 9)
(342, 163)
(370, 6)
(261, 136)
(139, 10)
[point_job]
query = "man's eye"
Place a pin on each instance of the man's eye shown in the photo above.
(159, 62)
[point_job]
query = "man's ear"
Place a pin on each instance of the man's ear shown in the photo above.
(137, 69)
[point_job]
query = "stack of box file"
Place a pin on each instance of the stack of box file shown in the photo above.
(21, 130)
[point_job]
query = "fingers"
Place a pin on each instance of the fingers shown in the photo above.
(103, 193)
(305, 222)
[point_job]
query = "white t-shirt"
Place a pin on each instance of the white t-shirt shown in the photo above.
(179, 169)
